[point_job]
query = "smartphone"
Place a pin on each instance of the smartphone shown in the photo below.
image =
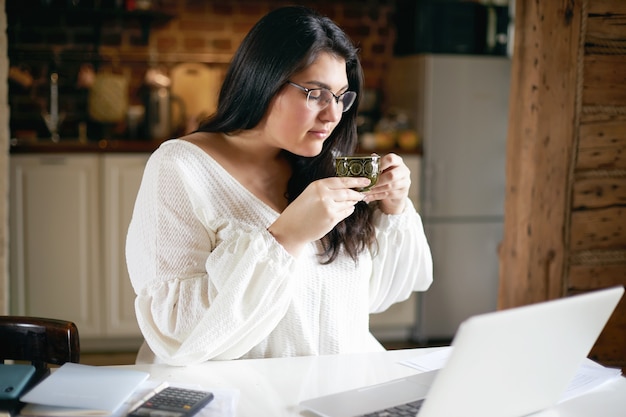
(13, 379)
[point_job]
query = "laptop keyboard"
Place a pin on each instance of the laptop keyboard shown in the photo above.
(403, 410)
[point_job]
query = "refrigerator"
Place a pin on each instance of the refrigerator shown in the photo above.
(459, 106)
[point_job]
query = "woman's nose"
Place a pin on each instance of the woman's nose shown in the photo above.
(332, 112)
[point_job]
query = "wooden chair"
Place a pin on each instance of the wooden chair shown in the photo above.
(41, 341)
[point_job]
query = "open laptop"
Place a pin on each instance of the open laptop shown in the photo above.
(507, 363)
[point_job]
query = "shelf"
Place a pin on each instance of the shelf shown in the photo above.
(74, 146)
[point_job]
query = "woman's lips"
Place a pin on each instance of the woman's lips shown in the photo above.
(321, 134)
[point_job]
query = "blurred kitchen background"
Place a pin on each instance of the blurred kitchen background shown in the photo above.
(96, 85)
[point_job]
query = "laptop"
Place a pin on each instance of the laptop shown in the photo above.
(507, 363)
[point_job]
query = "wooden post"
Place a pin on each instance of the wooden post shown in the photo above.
(541, 146)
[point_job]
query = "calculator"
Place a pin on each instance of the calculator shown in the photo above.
(173, 402)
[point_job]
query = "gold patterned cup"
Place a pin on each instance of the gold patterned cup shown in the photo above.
(358, 166)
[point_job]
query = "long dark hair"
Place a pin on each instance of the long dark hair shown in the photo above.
(284, 42)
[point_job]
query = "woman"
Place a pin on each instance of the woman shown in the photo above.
(243, 243)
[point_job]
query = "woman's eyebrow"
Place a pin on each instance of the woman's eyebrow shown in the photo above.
(326, 86)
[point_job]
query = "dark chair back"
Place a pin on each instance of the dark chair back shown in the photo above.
(41, 341)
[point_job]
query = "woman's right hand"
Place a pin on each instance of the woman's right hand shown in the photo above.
(322, 205)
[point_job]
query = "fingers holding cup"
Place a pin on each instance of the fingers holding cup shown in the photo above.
(367, 166)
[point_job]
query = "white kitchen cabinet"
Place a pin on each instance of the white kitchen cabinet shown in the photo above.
(54, 238)
(121, 177)
(69, 214)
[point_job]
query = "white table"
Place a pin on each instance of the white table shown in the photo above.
(274, 387)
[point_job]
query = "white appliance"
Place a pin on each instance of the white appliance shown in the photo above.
(459, 106)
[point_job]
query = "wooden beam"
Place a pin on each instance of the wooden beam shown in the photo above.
(602, 142)
(540, 149)
(605, 80)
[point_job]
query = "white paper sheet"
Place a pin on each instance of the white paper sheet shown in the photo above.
(75, 389)
(589, 376)
(224, 403)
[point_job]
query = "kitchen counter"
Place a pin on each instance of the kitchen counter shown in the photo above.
(120, 145)
(74, 146)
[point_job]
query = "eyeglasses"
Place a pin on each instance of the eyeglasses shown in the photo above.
(320, 98)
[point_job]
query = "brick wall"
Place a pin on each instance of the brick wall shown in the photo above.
(64, 38)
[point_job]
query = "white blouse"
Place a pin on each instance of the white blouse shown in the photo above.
(212, 283)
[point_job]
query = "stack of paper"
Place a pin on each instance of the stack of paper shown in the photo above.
(589, 375)
(82, 390)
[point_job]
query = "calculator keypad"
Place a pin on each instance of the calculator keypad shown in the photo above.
(173, 402)
(176, 398)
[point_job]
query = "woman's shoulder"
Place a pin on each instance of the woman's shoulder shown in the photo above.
(181, 155)
(188, 144)
(181, 149)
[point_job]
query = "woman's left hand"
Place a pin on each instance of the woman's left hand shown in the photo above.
(392, 187)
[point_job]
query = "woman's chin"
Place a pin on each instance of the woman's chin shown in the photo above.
(308, 151)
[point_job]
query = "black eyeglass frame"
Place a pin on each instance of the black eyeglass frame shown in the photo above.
(308, 91)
